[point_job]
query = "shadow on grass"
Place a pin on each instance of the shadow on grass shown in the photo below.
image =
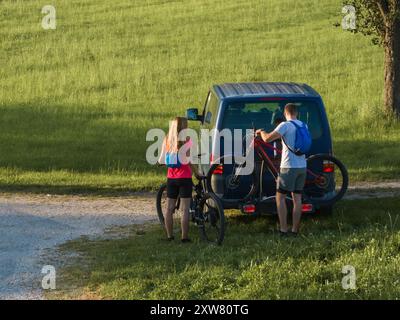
(253, 263)
(44, 138)
(77, 138)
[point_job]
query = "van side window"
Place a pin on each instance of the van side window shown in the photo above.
(210, 111)
(208, 117)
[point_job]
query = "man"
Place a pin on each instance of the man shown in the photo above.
(293, 170)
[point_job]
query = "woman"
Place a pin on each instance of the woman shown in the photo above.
(179, 176)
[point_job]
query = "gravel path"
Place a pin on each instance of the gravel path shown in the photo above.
(368, 190)
(32, 224)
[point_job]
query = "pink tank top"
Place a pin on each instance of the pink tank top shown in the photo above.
(184, 171)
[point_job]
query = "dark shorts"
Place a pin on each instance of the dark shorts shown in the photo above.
(181, 187)
(291, 180)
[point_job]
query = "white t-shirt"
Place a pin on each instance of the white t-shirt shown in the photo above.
(289, 160)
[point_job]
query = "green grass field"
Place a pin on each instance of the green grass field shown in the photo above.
(76, 102)
(253, 263)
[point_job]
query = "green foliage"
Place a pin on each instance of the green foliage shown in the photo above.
(253, 263)
(375, 16)
(369, 19)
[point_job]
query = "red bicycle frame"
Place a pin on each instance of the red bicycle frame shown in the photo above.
(258, 144)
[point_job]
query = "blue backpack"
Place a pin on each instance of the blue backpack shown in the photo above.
(303, 141)
(172, 160)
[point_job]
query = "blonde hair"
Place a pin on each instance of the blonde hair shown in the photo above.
(175, 127)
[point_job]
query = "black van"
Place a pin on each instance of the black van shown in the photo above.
(260, 105)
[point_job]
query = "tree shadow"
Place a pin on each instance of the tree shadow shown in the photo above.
(76, 138)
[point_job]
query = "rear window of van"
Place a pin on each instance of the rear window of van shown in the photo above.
(268, 114)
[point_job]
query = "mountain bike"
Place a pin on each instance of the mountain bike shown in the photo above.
(206, 211)
(326, 183)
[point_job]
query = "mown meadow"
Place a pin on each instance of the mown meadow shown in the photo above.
(76, 102)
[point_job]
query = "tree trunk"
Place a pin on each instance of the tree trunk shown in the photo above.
(392, 69)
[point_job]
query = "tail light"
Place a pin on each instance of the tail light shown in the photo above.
(306, 207)
(249, 208)
(328, 167)
(219, 170)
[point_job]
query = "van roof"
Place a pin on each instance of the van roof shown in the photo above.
(282, 89)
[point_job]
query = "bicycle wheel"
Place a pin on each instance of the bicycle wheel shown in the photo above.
(230, 187)
(211, 215)
(161, 203)
(327, 180)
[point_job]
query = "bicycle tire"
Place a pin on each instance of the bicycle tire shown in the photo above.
(253, 186)
(344, 178)
(221, 217)
(160, 211)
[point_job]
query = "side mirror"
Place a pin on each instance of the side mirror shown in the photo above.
(192, 114)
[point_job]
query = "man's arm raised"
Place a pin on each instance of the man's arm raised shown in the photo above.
(268, 137)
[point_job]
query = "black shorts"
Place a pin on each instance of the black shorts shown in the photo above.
(181, 187)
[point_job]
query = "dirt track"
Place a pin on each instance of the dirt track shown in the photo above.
(32, 224)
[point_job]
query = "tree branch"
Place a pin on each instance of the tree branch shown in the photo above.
(384, 9)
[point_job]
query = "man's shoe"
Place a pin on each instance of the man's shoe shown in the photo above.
(293, 234)
(187, 240)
